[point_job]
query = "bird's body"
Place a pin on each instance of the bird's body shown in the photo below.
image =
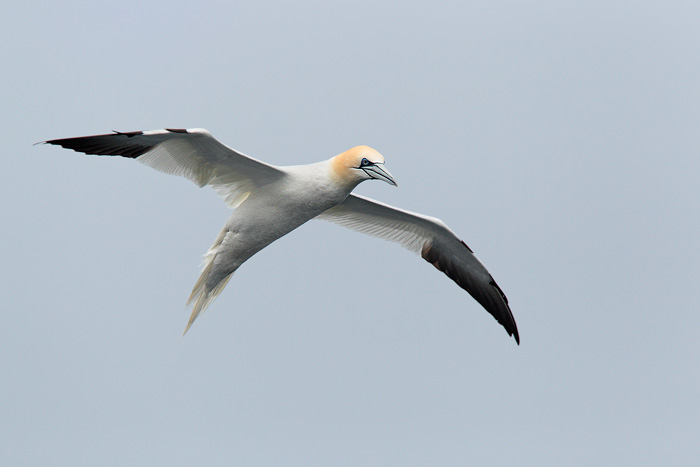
(265, 215)
(272, 201)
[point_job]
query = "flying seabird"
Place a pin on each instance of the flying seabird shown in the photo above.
(272, 201)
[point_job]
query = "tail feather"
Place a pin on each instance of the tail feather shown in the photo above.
(202, 295)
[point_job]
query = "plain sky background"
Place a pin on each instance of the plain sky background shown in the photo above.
(559, 139)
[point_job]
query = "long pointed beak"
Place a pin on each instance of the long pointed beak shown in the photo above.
(378, 172)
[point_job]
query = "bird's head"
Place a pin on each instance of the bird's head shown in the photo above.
(359, 164)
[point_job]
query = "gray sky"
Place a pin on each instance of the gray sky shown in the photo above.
(559, 139)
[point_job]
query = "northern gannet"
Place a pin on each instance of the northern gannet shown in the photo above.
(272, 201)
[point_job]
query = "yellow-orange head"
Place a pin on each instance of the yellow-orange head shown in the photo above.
(359, 164)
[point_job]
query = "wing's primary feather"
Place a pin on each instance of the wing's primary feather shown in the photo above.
(192, 153)
(436, 243)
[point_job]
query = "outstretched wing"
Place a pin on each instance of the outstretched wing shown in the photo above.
(436, 243)
(193, 153)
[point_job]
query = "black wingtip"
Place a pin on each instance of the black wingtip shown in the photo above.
(507, 321)
(113, 144)
(514, 331)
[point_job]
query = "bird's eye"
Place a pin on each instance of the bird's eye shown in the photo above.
(365, 162)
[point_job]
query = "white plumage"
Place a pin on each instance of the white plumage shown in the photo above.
(272, 201)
